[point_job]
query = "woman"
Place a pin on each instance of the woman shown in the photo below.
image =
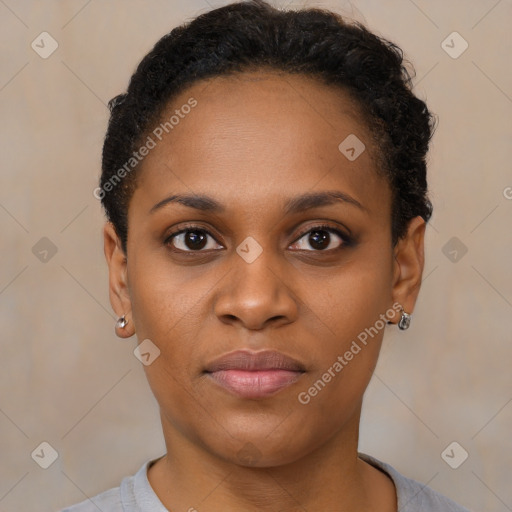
(264, 180)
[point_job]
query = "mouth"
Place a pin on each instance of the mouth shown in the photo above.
(254, 375)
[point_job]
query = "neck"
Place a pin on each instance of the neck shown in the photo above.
(331, 477)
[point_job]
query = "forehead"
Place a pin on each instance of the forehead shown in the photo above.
(260, 131)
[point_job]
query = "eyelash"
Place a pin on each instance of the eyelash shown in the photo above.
(346, 240)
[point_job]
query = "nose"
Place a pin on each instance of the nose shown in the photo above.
(256, 295)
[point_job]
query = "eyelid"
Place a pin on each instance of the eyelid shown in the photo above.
(320, 226)
(188, 227)
(325, 227)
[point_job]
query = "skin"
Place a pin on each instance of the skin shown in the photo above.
(253, 141)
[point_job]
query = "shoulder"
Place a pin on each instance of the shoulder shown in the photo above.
(117, 499)
(108, 501)
(414, 496)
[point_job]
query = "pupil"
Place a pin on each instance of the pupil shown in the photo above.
(196, 239)
(318, 240)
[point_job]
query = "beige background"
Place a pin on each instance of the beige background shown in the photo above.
(64, 376)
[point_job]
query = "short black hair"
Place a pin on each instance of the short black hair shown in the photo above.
(314, 42)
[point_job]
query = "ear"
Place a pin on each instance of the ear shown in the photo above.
(118, 282)
(409, 259)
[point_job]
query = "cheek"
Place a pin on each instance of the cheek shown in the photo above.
(350, 318)
(165, 300)
(345, 358)
(346, 301)
(168, 307)
(167, 310)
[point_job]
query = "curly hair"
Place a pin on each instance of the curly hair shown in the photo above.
(313, 42)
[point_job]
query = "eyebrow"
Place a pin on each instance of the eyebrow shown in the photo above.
(197, 201)
(305, 201)
(316, 199)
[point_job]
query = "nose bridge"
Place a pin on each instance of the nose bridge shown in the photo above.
(256, 291)
(255, 272)
(256, 267)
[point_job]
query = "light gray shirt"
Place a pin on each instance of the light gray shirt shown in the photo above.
(135, 494)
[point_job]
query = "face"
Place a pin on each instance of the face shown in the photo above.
(266, 292)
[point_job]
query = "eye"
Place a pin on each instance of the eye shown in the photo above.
(191, 239)
(195, 238)
(320, 239)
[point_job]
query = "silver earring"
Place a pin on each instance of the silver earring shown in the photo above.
(121, 322)
(405, 321)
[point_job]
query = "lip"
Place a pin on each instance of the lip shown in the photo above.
(254, 374)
